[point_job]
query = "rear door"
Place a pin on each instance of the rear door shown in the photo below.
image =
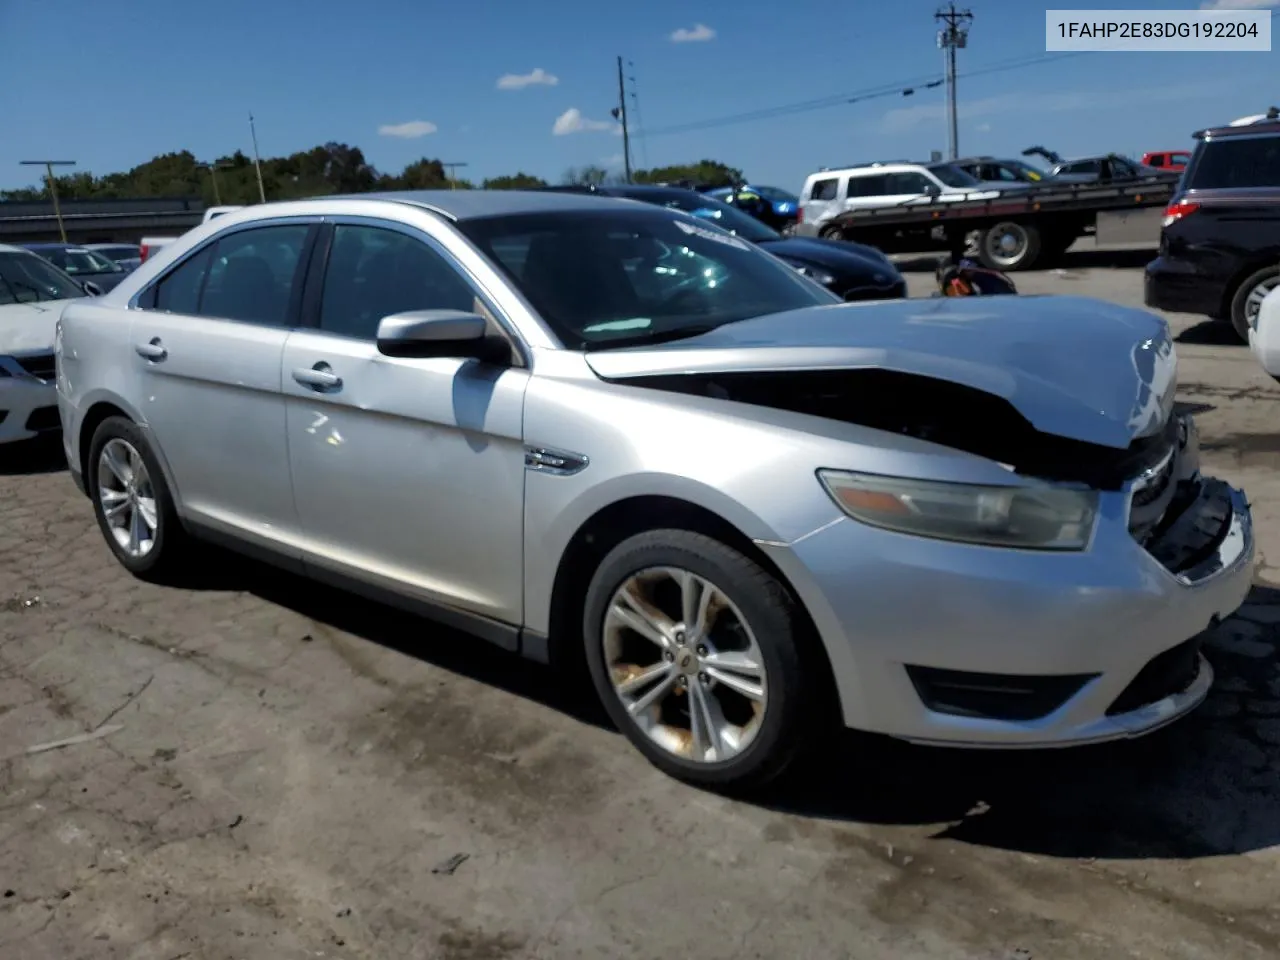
(207, 348)
(408, 474)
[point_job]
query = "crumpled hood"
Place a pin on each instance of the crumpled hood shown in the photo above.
(29, 327)
(1074, 367)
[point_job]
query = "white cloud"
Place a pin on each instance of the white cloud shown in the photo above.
(698, 33)
(572, 121)
(534, 78)
(611, 161)
(983, 128)
(1239, 4)
(407, 131)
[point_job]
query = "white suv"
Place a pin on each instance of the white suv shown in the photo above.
(828, 193)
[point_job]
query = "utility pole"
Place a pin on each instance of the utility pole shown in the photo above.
(619, 113)
(213, 169)
(257, 162)
(953, 36)
(453, 185)
(53, 187)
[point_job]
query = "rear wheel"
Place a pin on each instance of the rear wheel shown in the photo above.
(830, 232)
(132, 502)
(1249, 296)
(1009, 245)
(695, 651)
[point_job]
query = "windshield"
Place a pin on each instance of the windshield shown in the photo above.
(953, 176)
(777, 195)
(611, 278)
(79, 262)
(1028, 170)
(25, 278)
(709, 208)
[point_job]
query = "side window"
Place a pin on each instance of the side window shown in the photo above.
(1157, 160)
(374, 272)
(872, 186)
(252, 275)
(179, 291)
(908, 183)
(823, 189)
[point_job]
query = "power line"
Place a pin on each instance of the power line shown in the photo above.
(903, 88)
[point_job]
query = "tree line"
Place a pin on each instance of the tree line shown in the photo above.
(327, 169)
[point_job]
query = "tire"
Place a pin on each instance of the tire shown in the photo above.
(831, 233)
(776, 734)
(1254, 287)
(1009, 245)
(167, 545)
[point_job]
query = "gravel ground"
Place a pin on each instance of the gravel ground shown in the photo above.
(296, 773)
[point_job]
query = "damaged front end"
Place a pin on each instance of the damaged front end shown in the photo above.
(1181, 518)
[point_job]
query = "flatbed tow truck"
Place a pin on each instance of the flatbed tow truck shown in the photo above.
(1012, 231)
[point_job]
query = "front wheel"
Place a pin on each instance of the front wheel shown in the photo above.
(132, 502)
(1248, 299)
(695, 651)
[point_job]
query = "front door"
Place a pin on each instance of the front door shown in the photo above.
(208, 343)
(407, 473)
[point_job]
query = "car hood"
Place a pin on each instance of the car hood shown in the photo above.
(837, 255)
(1074, 367)
(29, 327)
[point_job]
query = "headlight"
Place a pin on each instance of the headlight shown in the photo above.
(1038, 517)
(814, 273)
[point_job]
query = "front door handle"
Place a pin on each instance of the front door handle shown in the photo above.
(153, 350)
(319, 377)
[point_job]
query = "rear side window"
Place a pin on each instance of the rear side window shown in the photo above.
(824, 189)
(1236, 163)
(1157, 160)
(179, 292)
(252, 275)
(875, 185)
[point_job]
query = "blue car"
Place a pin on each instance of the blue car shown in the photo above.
(772, 205)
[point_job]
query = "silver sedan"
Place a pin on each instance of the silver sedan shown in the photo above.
(596, 430)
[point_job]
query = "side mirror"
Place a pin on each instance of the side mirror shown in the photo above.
(440, 333)
(932, 190)
(91, 288)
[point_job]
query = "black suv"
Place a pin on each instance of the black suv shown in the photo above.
(1220, 246)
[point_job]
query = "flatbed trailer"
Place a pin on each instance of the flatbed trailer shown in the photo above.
(1017, 230)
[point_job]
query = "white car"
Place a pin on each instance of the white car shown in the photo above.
(32, 295)
(1264, 333)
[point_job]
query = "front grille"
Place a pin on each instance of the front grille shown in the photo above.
(994, 696)
(1166, 675)
(44, 418)
(42, 365)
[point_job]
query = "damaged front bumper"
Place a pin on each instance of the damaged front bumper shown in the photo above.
(948, 643)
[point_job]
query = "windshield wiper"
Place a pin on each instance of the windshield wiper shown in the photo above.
(654, 337)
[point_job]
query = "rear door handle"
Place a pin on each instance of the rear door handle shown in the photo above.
(319, 377)
(153, 350)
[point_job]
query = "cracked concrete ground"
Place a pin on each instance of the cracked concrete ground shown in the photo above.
(296, 772)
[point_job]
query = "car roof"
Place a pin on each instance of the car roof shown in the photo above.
(1257, 128)
(12, 248)
(52, 245)
(474, 204)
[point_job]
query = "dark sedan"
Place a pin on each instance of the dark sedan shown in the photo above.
(852, 271)
(81, 263)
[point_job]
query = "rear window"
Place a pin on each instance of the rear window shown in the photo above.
(824, 189)
(1236, 163)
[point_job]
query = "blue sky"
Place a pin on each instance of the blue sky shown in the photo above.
(112, 85)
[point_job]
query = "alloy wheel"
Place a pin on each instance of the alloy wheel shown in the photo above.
(127, 498)
(685, 664)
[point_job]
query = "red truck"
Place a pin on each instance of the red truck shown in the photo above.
(1167, 159)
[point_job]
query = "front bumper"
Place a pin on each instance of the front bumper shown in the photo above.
(1097, 639)
(28, 406)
